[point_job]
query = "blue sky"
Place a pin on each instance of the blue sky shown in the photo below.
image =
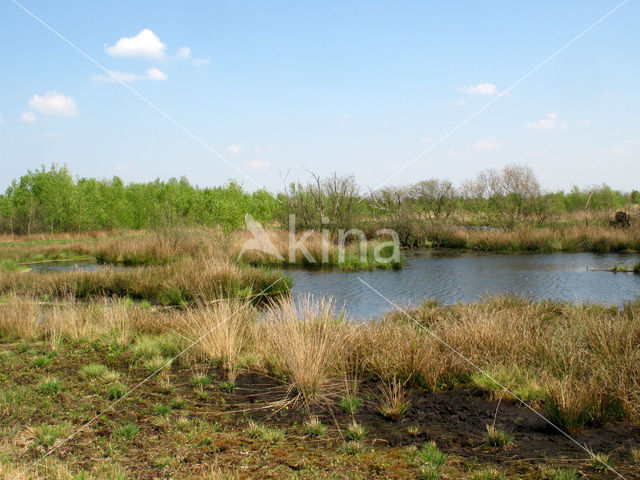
(279, 88)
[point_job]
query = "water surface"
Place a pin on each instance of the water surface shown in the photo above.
(452, 278)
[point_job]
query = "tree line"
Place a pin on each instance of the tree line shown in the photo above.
(52, 200)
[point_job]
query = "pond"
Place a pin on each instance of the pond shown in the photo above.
(451, 278)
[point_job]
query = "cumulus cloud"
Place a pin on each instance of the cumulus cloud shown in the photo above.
(549, 123)
(487, 145)
(145, 44)
(198, 62)
(480, 89)
(54, 103)
(29, 117)
(235, 149)
(257, 164)
(115, 76)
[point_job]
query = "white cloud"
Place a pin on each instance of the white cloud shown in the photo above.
(549, 123)
(145, 44)
(426, 140)
(198, 62)
(151, 74)
(183, 53)
(487, 145)
(583, 123)
(235, 149)
(480, 89)
(156, 74)
(53, 103)
(28, 117)
(257, 164)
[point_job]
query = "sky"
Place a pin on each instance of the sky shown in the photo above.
(266, 92)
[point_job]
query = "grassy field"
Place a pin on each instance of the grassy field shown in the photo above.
(297, 392)
(227, 387)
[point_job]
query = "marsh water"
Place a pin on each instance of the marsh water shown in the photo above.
(451, 278)
(460, 277)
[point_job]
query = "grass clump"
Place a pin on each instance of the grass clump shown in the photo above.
(127, 432)
(565, 474)
(178, 403)
(116, 391)
(227, 386)
(352, 447)
(488, 473)
(154, 364)
(41, 361)
(50, 386)
(498, 438)
(430, 454)
(314, 427)
(355, 431)
(95, 370)
(519, 382)
(46, 435)
(200, 380)
(394, 402)
(350, 403)
(162, 410)
(267, 434)
(601, 461)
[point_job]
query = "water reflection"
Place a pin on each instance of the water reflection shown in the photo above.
(466, 278)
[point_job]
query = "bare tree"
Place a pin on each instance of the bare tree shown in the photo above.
(508, 195)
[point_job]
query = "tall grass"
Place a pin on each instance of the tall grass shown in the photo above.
(190, 280)
(307, 342)
(575, 238)
(580, 364)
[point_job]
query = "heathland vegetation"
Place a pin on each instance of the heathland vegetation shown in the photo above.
(295, 390)
(217, 372)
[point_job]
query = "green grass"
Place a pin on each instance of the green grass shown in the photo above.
(498, 438)
(200, 380)
(127, 432)
(41, 361)
(315, 428)
(227, 386)
(267, 434)
(601, 461)
(350, 403)
(488, 473)
(46, 435)
(430, 454)
(50, 386)
(565, 474)
(95, 370)
(355, 431)
(522, 383)
(116, 391)
(178, 403)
